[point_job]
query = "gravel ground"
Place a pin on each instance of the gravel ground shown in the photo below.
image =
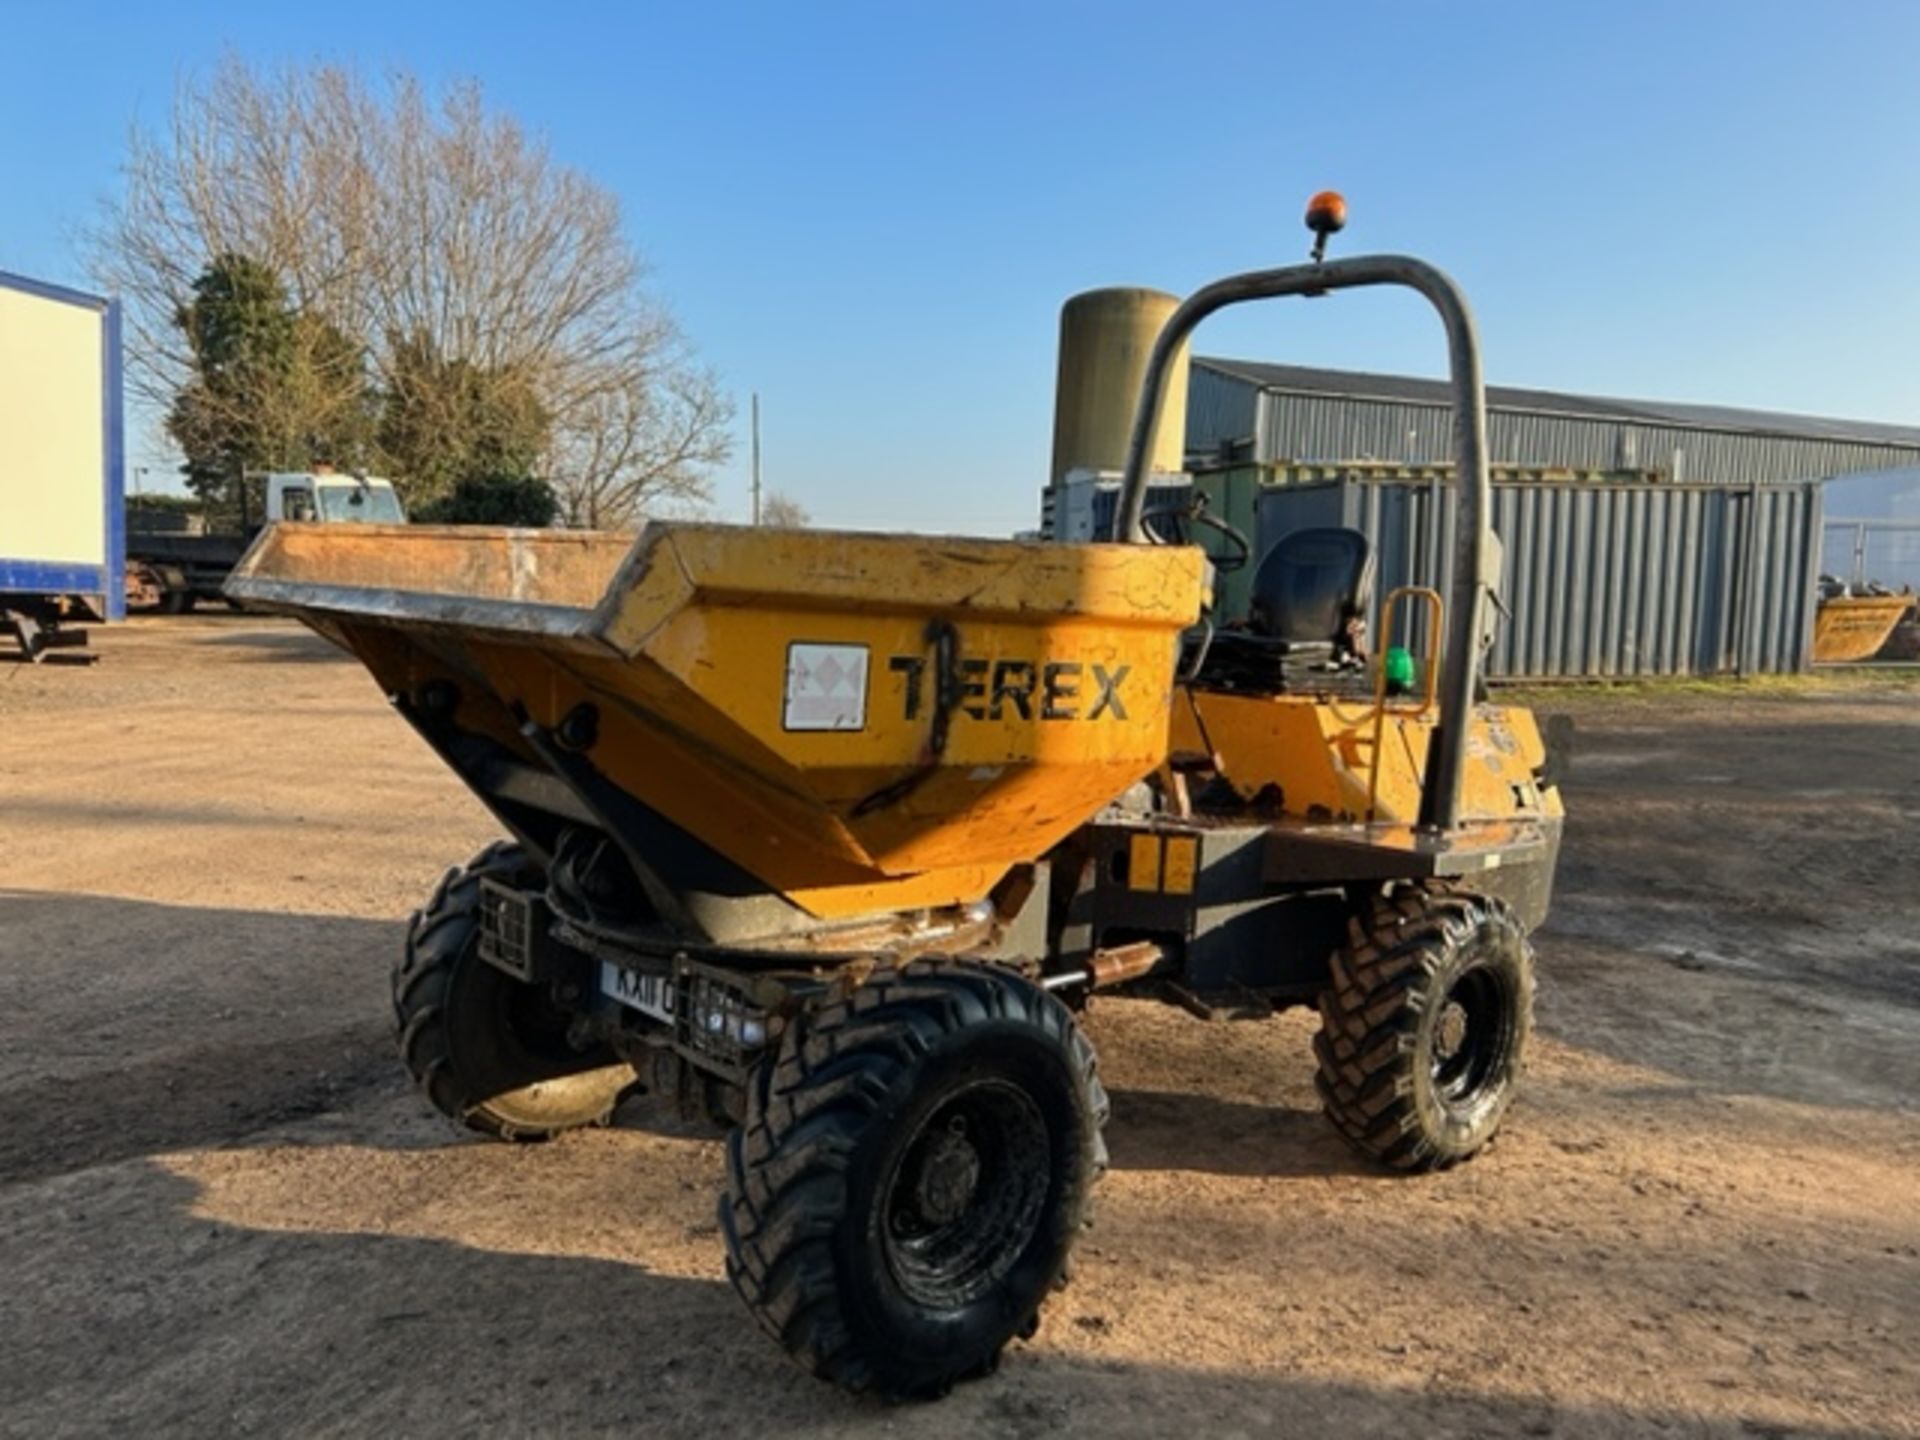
(223, 1212)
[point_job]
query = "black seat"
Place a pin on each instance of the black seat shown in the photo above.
(1308, 594)
(1311, 587)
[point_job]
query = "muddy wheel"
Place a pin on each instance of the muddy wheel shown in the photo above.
(488, 1050)
(1424, 1026)
(915, 1164)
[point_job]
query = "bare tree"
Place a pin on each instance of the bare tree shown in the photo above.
(784, 511)
(403, 219)
(637, 441)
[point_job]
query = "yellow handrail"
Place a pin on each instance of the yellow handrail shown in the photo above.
(1436, 611)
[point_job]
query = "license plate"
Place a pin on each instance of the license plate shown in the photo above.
(649, 994)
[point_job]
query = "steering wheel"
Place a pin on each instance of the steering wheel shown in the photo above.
(1182, 516)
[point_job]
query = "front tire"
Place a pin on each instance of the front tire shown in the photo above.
(487, 1050)
(915, 1164)
(1424, 1026)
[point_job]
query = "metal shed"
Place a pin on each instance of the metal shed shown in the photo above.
(1243, 409)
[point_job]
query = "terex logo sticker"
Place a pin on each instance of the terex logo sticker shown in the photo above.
(1019, 689)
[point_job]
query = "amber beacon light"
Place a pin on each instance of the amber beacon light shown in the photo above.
(1326, 214)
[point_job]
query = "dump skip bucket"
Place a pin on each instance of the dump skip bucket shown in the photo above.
(1855, 627)
(857, 722)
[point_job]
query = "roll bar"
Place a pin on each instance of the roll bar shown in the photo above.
(1440, 800)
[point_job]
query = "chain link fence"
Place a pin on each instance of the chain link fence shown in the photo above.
(1867, 553)
(1871, 557)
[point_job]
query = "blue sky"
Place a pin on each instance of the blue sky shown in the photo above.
(871, 213)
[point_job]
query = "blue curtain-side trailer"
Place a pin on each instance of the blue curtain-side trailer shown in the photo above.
(62, 464)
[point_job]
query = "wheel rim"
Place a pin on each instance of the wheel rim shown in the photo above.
(563, 1101)
(533, 1033)
(964, 1200)
(1471, 1037)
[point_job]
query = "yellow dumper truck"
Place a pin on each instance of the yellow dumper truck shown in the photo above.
(831, 836)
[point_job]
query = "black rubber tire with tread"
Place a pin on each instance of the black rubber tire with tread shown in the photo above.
(1406, 952)
(455, 1015)
(825, 1118)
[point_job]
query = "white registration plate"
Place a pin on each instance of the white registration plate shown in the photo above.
(649, 994)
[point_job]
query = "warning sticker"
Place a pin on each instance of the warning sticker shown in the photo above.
(826, 687)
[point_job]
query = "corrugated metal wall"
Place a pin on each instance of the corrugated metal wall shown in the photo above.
(1603, 580)
(1290, 426)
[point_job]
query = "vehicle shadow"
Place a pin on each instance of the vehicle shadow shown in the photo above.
(275, 644)
(142, 1302)
(129, 1028)
(1184, 1130)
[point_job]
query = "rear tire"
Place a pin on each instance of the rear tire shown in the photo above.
(487, 1050)
(915, 1165)
(1424, 1026)
(177, 602)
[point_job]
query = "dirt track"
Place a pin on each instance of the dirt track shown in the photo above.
(222, 1211)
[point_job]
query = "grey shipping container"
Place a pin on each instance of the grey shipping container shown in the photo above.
(1602, 580)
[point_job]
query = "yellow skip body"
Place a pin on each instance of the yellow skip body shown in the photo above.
(991, 695)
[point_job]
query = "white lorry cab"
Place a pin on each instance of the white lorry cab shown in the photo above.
(330, 496)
